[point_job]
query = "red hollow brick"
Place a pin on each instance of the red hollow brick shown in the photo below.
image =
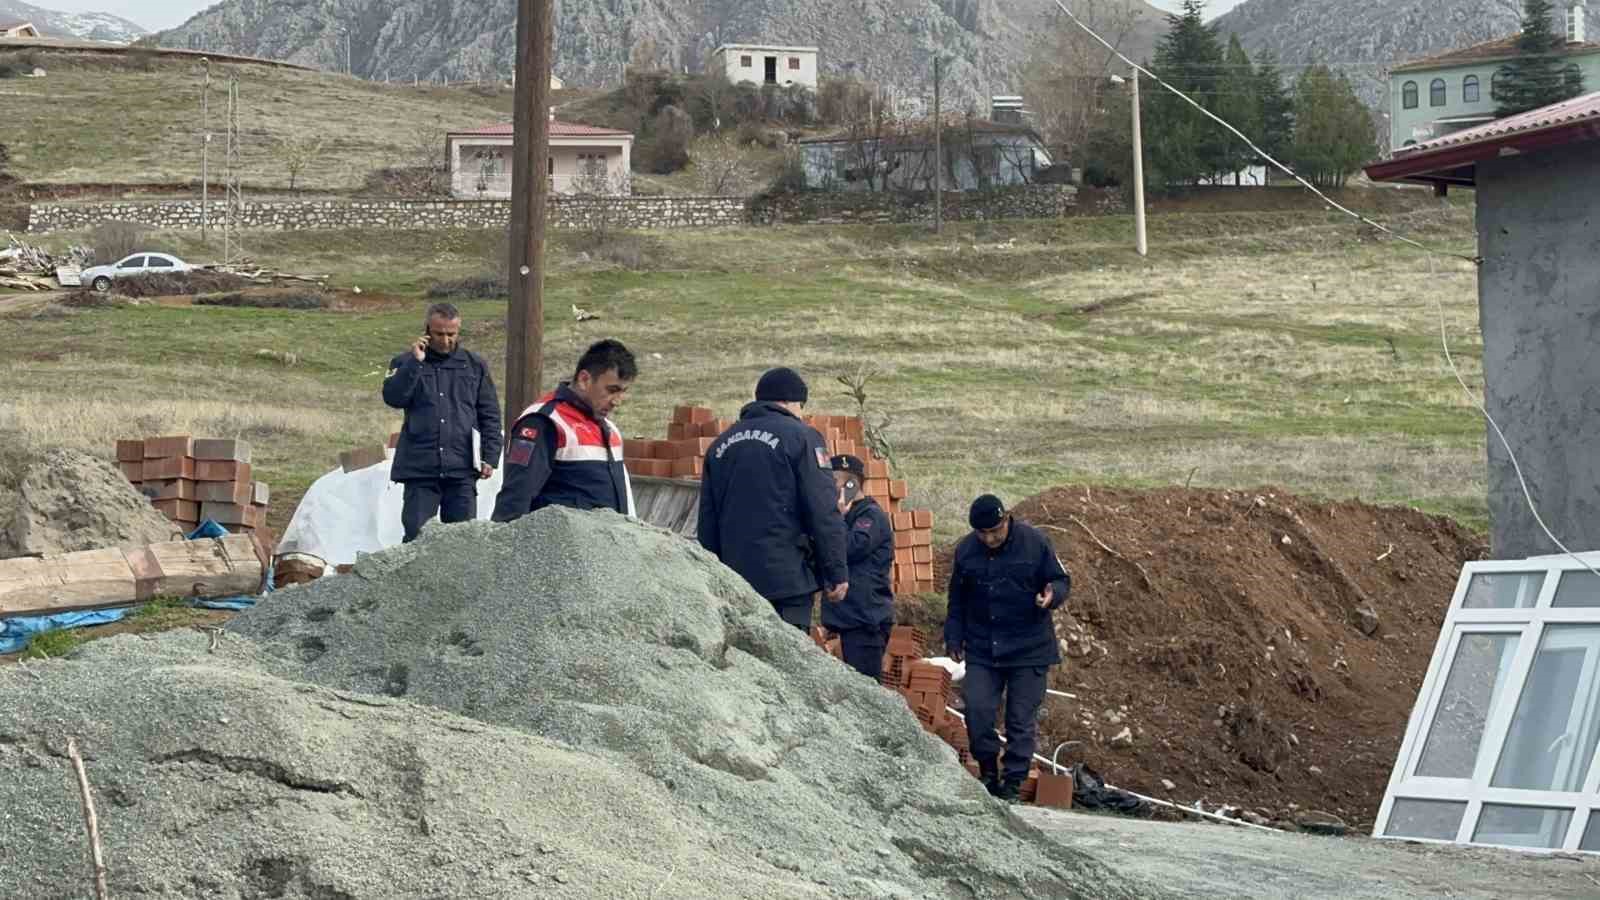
(922, 554)
(168, 467)
(218, 448)
(221, 470)
(182, 510)
(132, 470)
(897, 490)
(175, 445)
(922, 518)
(682, 431)
(130, 451)
(902, 522)
(173, 489)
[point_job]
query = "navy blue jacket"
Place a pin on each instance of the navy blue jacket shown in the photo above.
(769, 507)
(869, 550)
(445, 398)
(992, 615)
(576, 462)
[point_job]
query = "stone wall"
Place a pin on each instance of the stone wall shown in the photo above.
(860, 207)
(296, 215)
(815, 208)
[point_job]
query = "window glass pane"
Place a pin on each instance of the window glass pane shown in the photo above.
(1522, 826)
(1472, 690)
(1591, 835)
(1578, 588)
(1436, 819)
(132, 262)
(1503, 590)
(1552, 735)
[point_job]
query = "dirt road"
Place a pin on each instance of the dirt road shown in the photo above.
(1201, 860)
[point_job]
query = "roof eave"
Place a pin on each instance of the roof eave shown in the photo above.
(1458, 165)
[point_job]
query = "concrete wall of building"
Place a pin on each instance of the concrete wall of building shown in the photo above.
(1539, 304)
(1421, 122)
(487, 160)
(732, 61)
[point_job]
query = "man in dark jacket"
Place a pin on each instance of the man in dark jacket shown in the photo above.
(564, 451)
(446, 392)
(768, 507)
(865, 616)
(1005, 582)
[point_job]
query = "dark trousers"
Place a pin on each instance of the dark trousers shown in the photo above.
(454, 499)
(1023, 687)
(795, 610)
(863, 649)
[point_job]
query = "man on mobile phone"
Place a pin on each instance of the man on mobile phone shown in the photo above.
(446, 392)
(865, 616)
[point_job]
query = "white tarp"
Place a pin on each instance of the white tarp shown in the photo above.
(344, 514)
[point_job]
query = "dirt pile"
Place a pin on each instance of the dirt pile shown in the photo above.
(62, 500)
(1261, 649)
(571, 704)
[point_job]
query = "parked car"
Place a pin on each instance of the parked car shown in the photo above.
(99, 277)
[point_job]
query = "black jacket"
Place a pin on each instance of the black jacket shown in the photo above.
(768, 505)
(869, 550)
(444, 398)
(992, 615)
(578, 466)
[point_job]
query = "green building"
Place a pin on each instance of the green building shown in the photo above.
(1433, 97)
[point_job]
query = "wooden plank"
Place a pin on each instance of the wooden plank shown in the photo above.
(88, 579)
(95, 579)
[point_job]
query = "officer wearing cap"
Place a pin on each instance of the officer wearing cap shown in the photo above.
(768, 505)
(1005, 582)
(866, 614)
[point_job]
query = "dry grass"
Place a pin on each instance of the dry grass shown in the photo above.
(94, 120)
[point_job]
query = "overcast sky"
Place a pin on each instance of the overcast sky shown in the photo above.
(159, 14)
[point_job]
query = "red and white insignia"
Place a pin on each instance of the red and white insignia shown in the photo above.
(531, 434)
(521, 452)
(822, 459)
(863, 524)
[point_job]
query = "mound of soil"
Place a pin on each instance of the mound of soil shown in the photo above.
(61, 501)
(1263, 650)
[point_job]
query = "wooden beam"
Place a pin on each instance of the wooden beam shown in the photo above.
(98, 579)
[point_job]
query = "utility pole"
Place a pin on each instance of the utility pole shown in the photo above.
(205, 156)
(1138, 172)
(530, 188)
(233, 213)
(938, 150)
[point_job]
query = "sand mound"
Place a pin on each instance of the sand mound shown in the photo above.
(66, 501)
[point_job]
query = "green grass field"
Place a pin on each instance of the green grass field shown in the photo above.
(1267, 348)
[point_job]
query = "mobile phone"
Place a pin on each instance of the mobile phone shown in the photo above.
(851, 488)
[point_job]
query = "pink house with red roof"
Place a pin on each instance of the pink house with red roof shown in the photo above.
(583, 160)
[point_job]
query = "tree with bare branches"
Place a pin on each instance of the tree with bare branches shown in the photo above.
(299, 153)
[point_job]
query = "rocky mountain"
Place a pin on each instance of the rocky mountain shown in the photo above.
(1364, 38)
(91, 26)
(891, 42)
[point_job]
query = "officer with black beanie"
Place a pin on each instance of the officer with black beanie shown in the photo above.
(768, 505)
(1005, 582)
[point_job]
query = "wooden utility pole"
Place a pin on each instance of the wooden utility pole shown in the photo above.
(1138, 173)
(938, 150)
(530, 188)
(205, 156)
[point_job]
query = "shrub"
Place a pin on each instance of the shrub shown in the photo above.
(114, 240)
(470, 288)
(289, 298)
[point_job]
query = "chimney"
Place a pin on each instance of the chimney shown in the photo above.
(1575, 30)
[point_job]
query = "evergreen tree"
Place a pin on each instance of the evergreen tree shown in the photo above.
(1540, 74)
(1333, 132)
(1183, 145)
(1239, 104)
(1277, 107)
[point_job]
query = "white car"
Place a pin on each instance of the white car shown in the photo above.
(99, 277)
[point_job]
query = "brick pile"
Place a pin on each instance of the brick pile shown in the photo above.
(692, 430)
(191, 479)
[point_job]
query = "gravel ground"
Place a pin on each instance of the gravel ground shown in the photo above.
(570, 706)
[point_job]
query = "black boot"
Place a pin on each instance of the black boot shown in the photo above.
(1010, 790)
(989, 774)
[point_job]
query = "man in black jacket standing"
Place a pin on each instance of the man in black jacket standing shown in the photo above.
(768, 506)
(446, 392)
(1005, 582)
(865, 616)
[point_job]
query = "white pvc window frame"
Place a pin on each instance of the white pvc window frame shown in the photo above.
(1530, 624)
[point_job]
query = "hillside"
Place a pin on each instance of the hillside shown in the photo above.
(89, 26)
(130, 134)
(1365, 37)
(888, 41)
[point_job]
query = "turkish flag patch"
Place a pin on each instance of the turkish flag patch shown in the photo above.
(822, 459)
(531, 434)
(521, 452)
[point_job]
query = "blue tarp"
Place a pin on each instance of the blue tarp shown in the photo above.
(16, 633)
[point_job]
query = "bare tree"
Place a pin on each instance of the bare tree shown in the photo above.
(1068, 72)
(723, 167)
(299, 153)
(601, 192)
(869, 128)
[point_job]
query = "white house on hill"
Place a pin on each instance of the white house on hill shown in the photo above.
(766, 64)
(583, 159)
(18, 30)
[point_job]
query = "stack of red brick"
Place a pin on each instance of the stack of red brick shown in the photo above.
(190, 479)
(693, 428)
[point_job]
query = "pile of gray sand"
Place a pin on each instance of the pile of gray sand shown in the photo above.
(572, 705)
(61, 501)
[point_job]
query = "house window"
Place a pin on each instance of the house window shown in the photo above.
(745, 61)
(1469, 89)
(1497, 84)
(794, 63)
(550, 168)
(1408, 95)
(1436, 92)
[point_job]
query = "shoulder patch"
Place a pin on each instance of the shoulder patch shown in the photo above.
(864, 523)
(531, 434)
(822, 459)
(520, 453)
